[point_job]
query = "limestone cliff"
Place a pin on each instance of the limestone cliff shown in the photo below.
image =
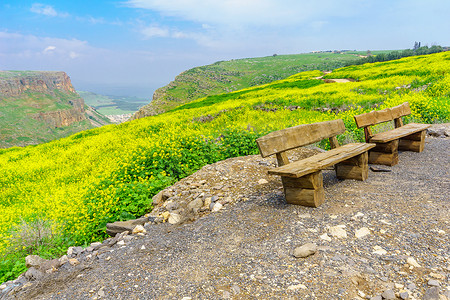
(39, 106)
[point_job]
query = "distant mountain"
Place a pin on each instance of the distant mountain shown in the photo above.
(40, 106)
(228, 76)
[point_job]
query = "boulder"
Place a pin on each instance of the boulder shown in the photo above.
(118, 227)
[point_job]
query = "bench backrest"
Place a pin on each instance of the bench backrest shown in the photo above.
(301, 135)
(381, 116)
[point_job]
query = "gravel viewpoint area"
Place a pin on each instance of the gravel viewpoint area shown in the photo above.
(384, 238)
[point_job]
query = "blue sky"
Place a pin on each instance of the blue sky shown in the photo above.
(133, 47)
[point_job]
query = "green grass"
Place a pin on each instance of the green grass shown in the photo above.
(112, 105)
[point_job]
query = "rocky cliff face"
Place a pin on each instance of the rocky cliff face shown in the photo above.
(40, 106)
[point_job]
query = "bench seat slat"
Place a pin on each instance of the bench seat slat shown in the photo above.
(321, 161)
(397, 133)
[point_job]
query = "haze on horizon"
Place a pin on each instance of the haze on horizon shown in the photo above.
(132, 47)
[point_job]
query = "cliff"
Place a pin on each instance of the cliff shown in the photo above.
(39, 106)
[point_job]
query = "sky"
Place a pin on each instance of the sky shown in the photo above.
(132, 47)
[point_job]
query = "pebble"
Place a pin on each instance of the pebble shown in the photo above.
(412, 262)
(433, 282)
(174, 218)
(378, 250)
(325, 237)
(73, 261)
(377, 297)
(388, 295)
(139, 229)
(338, 231)
(404, 295)
(411, 286)
(262, 181)
(297, 286)
(217, 206)
(431, 294)
(305, 250)
(362, 232)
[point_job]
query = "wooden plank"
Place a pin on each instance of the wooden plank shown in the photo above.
(379, 158)
(359, 160)
(380, 116)
(389, 147)
(398, 133)
(321, 161)
(282, 159)
(334, 142)
(310, 181)
(408, 145)
(305, 197)
(301, 135)
(352, 172)
(418, 136)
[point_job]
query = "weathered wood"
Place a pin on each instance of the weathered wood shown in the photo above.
(310, 181)
(398, 122)
(381, 116)
(334, 142)
(352, 172)
(305, 197)
(388, 159)
(321, 160)
(389, 147)
(418, 136)
(301, 135)
(282, 159)
(367, 133)
(408, 145)
(397, 133)
(359, 160)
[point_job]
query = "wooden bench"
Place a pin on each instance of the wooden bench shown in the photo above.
(302, 180)
(410, 137)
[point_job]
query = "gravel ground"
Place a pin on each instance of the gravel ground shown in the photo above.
(244, 250)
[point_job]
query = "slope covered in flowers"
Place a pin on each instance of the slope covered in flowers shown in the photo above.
(65, 191)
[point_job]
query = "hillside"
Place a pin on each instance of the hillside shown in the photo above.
(70, 188)
(228, 76)
(37, 107)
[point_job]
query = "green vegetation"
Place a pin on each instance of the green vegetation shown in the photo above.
(70, 188)
(112, 105)
(237, 74)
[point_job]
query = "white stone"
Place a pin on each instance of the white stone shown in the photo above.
(325, 237)
(338, 231)
(398, 285)
(297, 286)
(174, 219)
(305, 250)
(378, 250)
(143, 247)
(217, 206)
(441, 232)
(139, 229)
(262, 181)
(362, 232)
(412, 262)
(382, 231)
(3, 286)
(121, 243)
(63, 259)
(361, 294)
(70, 251)
(333, 217)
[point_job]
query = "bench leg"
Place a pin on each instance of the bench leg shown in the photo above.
(414, 142)
(384, 154)
(307, 190)
(354, 168)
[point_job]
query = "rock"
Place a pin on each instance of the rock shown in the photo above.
(411, 286)
(433, 282)
(217, 206)
(121, 243)
(139, 229)
(63, 259)
(50, 265)
(214, 198)
(325, 237)
(171, 205)
(33, 274)
(388, 295)
(297, 286)
(412, 262)
(262, 181)
(378, 250)
(77, 250)
(235, 289)
(431, 294)
(160, 198)
(165, 215)
(437, 132)
(338, 231)
(207, 202)
(362, 232)
(404, 295)
(118, 227)
(377, 297)
(34, 261)
(437, 276)
(195, 204)
(174, 218)
(73, 261)
(305, 250)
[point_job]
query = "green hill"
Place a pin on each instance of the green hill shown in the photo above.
(70, 188)
(228, 76)
(37, 107)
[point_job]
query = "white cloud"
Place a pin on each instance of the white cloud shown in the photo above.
(155, 31)
(46, 10)
(49, 49)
